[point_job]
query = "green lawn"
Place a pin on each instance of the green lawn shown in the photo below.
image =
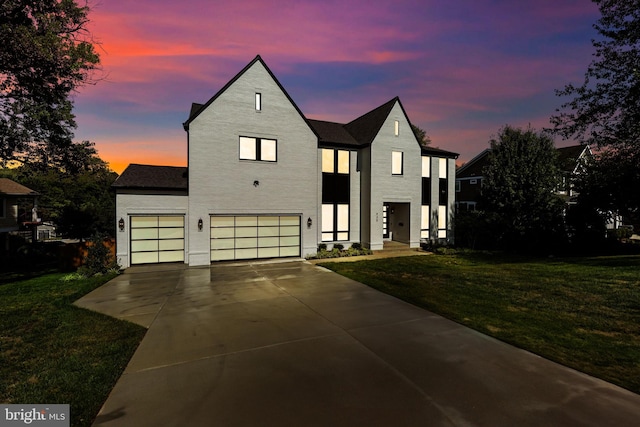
(581, 312)
(53, 352)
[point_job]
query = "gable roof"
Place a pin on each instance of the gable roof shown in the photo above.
(196, 109)
(366, 127)
(9, 187)
(569, 157)
(153, 177)
(333, 133)
(474, 166)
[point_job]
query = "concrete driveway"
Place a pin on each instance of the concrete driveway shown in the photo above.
(293, 344)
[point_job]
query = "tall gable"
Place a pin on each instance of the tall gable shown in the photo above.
(366, 127)
(197, 109)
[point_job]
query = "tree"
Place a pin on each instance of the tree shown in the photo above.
(77, 198)
(605, 110)
(518, 189)
(421, 135)
(46, 55)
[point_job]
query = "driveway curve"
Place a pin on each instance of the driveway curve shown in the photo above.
(293, 344)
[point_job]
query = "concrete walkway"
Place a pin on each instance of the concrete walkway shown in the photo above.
(293, 344)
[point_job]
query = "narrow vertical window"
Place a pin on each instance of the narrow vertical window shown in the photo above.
(426, 166)
(424, 222)
(396, 163)
(343, 161)
(258, 101)
(442, 168)
(442, 222)
(327, 160)
(396, 128)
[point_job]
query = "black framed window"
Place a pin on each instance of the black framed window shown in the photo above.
(336, 192)
(397, 166)
(259, 149)
(444, 192)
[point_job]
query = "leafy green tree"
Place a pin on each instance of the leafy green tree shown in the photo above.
(518, 190)
(77, 197)
(421, 135)
(46, 54)
(605, 110)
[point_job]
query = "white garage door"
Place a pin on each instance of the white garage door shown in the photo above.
(250, 237)
(158, 238)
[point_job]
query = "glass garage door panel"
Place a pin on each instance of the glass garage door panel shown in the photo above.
(157, 238)
(250, 237)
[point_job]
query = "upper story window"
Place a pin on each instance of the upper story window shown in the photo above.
(396, 128)
(442, 168)
(457, 186)
(3, 208)
(396, 163)
(258, 101)
(261, 149)
(426, 166)
(335, 161)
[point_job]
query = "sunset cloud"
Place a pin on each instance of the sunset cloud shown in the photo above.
(462, 69)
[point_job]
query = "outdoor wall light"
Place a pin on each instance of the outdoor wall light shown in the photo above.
(200, 224)
(121, 224)
(256, 183)
(309, 222)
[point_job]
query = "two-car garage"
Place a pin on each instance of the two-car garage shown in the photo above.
(161, 238)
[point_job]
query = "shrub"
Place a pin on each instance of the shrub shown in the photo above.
(99, 259)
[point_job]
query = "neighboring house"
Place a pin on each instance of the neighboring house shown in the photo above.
(263, 181)
(470, 175)
(10, 194)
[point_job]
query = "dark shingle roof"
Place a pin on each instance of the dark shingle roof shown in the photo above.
(432, 151)
(366, 127)
(474, 166)
(332, 133)
(153, 177)
(9, 187)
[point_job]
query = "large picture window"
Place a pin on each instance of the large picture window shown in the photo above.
(335, 222)
(260, 149)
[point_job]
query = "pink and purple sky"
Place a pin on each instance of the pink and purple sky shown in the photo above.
(462, 68)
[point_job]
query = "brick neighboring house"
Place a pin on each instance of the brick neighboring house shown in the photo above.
(263, 181)
(11, 193)
(469, 176)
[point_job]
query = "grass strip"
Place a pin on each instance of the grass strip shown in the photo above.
(581, 312)
(53, 352)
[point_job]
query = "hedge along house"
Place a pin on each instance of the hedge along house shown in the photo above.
(263, 181)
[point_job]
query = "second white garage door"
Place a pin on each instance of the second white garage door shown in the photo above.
(254, 236)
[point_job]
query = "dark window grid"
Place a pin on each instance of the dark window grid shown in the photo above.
(335, 231)
(258, 142)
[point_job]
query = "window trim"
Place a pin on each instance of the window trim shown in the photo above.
(393, 163)
(396, 127)
(258, 101)
(257, 149)
(335, 231)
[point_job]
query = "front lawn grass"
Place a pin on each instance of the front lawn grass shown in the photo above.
(581, 312)
(54, 352)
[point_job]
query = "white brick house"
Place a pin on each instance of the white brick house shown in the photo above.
(263, 181)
